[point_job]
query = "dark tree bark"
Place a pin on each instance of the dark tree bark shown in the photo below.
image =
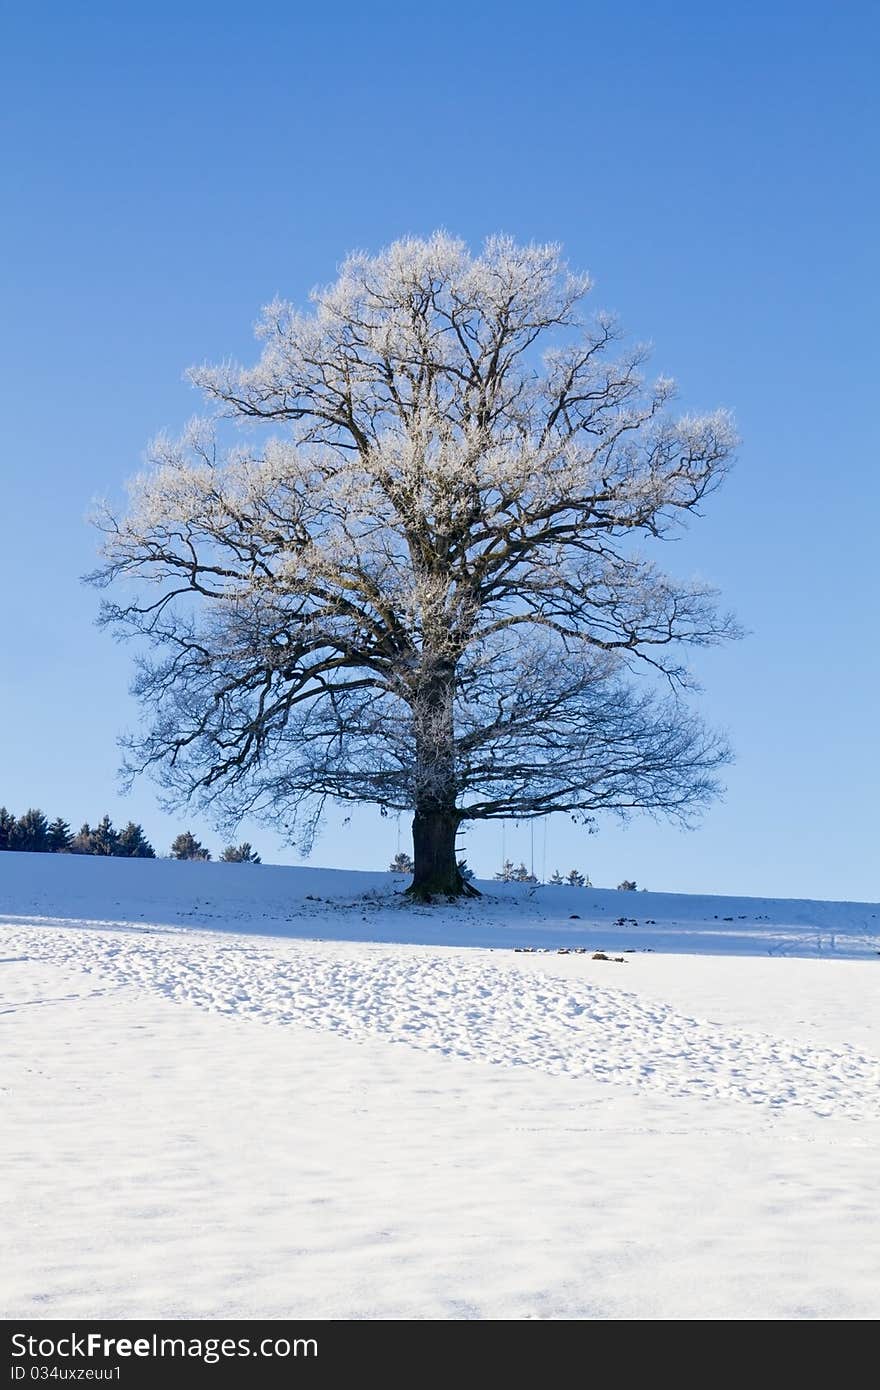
(436, 819)
(436, 865)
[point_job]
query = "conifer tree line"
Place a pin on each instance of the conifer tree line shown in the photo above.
(518, 873)
(33, 833)
(513, 873)
(186, 846)
(510, 873)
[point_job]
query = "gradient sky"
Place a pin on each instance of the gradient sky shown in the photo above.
(169, 168)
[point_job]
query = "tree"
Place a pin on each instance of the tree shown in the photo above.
(576, 879)
(628, 886)
(7, 829)
(82, 840)
(31, 832)
(522, 875)
(132, 843)
(104, 839)
(186, 846)
(507, 872)
(240, 854)
(401, 863)
(556, 877)
(466, 871)
(422, 590)
(59, 836)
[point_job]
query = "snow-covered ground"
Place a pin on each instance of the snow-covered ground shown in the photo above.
(304, 902)
(240, 1091)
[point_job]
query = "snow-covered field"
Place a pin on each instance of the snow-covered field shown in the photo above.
(240, 1091)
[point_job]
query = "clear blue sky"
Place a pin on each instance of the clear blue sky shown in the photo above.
(169, 168)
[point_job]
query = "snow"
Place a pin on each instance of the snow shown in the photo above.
(221, 1097)
(356, 906)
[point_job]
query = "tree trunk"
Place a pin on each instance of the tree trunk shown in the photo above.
(436, 866)
(436, 819)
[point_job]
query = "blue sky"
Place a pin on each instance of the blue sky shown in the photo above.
(168, 169)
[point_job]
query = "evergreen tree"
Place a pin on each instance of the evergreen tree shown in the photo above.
(82, 840)
(7, 829)
(186, 846)
(401, 863)
(507, 873)
(522, 875)
(556, 877)
(240, 854)
(628, 886)
(466, 871)
(132, 843)
(105, 839)
(575, 879)
(32, 832)
(60, 837)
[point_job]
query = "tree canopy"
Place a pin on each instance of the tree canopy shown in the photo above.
(422, 588)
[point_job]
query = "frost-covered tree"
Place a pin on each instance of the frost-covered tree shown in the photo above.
(628, 886)
(556, 878)
(31, 832)
(423, 588)
(132, 843)
(401, 863)
(186, 846)
(575, 879)
(240, 854)
(59, 836)
(507, 872)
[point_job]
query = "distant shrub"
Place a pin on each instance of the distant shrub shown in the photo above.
(186, 846)
(240, 854)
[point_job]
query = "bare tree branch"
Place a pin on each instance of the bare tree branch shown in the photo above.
(424, 592)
